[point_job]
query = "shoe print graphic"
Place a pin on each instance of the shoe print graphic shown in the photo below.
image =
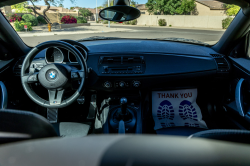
(165, 110)
(187, 111)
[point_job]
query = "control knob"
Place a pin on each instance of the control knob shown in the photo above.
(136, 84)
(122, 84)
(107, 84)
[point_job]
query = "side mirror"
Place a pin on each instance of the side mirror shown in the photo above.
(120, 12)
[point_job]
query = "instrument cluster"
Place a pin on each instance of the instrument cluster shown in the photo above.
(61, 55)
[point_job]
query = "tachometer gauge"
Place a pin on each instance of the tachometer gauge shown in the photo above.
(54, 55)
(72, 58)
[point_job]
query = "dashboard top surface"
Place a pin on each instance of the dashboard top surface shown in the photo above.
(147, 46)
(143, 46)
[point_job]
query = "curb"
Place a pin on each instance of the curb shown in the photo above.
(154, 26)
(23, 34)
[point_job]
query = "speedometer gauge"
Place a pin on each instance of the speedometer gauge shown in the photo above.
(54, 55)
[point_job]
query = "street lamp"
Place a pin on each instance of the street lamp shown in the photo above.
(108, 6)
(96, 14)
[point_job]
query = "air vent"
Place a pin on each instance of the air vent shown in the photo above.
(217, 55)
(130, 59)
(18, 66)
(121, 60)
(110, 60)
(222, 64)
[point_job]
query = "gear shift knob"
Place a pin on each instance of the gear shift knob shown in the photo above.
(123, 102)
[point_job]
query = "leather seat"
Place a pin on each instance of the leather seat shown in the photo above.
(240, 136)
(20, 125)
(180, 131)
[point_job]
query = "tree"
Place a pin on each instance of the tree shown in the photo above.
(20, 7)
(72, 8)
(111, 3)
(47, 3)
(133, 3)
(60, 5)
(186, 7)
(85, 12)
(171, 7)
(232, 10)
(105, 4)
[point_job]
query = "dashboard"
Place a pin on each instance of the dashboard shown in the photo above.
(122, 64)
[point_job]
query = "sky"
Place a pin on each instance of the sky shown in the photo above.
(87, 3)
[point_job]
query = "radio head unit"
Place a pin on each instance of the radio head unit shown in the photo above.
(122, 65)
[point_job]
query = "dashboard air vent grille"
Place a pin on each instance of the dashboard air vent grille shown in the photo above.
(128, 59)
(17, 67)
(121, 60)
(106, 60)
(217, 55)
(222, 64)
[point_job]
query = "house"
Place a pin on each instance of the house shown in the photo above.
(142, 8)
(95, 14)
(6, 10)
(76, 9)
(92, 10)
(203, 8)
(209, 8)
(52, 9)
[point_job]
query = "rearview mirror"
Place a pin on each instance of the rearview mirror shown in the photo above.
(120, 13)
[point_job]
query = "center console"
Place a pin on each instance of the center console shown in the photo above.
(121, 115)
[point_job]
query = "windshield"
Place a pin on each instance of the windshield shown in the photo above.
(192, 21)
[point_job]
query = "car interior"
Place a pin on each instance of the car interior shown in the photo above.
(104, 101)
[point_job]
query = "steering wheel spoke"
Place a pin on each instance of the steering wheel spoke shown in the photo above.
(55, 96)
(77, 74)
(32, 78)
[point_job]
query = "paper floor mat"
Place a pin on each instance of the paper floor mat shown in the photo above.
(176, 108)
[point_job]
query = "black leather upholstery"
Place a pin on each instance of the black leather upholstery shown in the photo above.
(180, 131)
(241, 136)
(25, 122)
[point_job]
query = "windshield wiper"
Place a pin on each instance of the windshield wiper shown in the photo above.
(183, 40)
(98, 38)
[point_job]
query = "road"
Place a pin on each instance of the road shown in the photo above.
(207, 36)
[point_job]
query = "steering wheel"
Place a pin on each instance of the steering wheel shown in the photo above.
(54, 77)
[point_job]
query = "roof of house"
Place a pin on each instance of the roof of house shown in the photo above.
(216, 5)
(140, 6)
(93, 10)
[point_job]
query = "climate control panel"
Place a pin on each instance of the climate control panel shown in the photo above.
(122, 84)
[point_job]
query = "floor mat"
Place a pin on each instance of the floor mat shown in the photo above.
(76, 130)
(176, 108)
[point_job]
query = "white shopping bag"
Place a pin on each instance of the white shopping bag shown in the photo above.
(176, 108)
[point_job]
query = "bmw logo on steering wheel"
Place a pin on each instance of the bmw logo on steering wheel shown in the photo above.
(51, 75)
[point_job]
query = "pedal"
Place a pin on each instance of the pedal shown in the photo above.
(52, 115)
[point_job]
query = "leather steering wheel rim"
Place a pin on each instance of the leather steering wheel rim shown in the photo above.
(26, 65)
